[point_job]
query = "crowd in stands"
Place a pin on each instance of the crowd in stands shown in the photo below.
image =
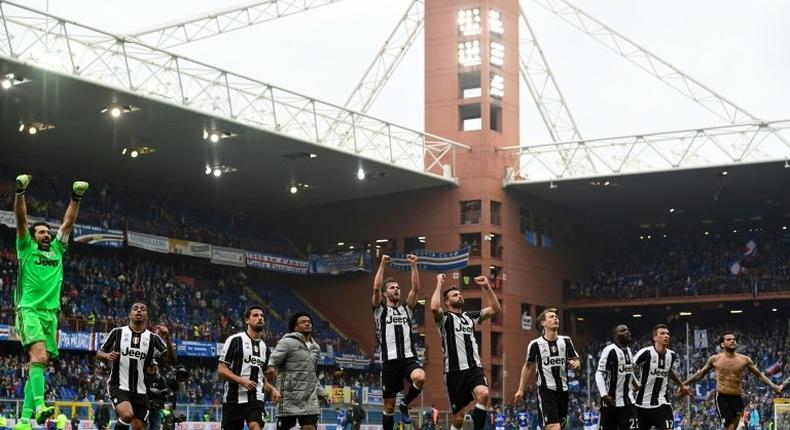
(676, 265)
(195, 299)
(116, 206)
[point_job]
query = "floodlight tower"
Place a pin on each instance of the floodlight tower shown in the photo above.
(471, 96)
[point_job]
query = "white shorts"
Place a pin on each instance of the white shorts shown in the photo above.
(522, 428)
(591, 427)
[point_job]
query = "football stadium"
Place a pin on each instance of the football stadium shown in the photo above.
(185, 246)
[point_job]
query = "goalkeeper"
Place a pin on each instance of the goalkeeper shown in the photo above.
(37, 295)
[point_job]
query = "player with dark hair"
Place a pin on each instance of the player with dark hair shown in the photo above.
(463, 369)
(551, 354)
(243, 364)
(37, 294)
(729, 366)
(654, 366)
(399, 361)
(131, 350)
(294, 365)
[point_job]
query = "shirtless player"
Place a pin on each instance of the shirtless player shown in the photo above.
(729, 366)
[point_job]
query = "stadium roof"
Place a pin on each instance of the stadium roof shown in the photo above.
(693, 196)
(268, 163)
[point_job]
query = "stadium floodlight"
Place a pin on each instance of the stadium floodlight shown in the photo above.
(469, 53)
(579, 318)
(671, 210)
(736, 311)
(724, 173)
(134, 154)
(9, 80)
(495, 24)
(774, 310)
(497, 85)
(137, 151)
(34, 127)
(217, 172)
(341, 243)
(6, 84)
(784, 227)
(208, 170)
(637, 315)
(497, 54)
(469, 22)
(382, 240)
(293, 189)
(361, 174)
(553, 186)
(215, 136)
(117, 109)
(685, 314)
(787, 164)
(707, 233)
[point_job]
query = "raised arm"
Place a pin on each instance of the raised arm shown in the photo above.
(766, 380)
(20, 208)
(411, 299)
(378, 280)
(702, 372)
(436, 298)
(170, 354)
(77, 191)
(494, 307)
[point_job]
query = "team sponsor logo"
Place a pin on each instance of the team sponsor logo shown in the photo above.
(661, 373)
(554, 361)
(134, 353)
(625, 368)
(397, 320)
(255, 361)
(44, 261)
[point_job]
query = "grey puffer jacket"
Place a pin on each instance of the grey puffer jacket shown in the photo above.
(296, 363)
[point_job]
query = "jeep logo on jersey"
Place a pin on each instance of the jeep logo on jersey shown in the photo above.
(134, 353)
(397, 320)
(44, 261)
(255, 361)
(661, 373)
(625, 368)
(466, 329)
(554, 361)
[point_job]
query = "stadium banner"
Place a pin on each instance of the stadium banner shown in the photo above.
(336, 394)
(78, 341)
(531, 237)
(228, 256)
(5, 332)
(8, 219)
(432, 261)
(187, 247)
(372, 396)
(355, 261)
(276, 263)
(700, 338)
(194, 348)
(148, 242)
(97, 236)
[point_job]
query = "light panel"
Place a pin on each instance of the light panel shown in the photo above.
(469, 53)
(497, 86)
(497, 51)
(469, 22)
(495, 24)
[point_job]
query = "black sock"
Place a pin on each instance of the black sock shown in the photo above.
(412, 394)
(388, 421)
(120, 425)
(479, 418)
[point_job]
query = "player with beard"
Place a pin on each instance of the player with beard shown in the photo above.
(399, 361)
(463, 370)
(729, 366)
(243, 364)
(131, 349)
(37, 294)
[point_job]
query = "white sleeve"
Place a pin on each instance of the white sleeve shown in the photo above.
(600, 375)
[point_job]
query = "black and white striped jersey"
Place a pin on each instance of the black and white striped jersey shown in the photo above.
(615, 374)
(458, 340)
(653, 371)
(137, 349)
(249, 359)
(551, 358)
(394, 332)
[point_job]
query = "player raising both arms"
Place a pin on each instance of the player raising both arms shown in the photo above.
(37, 294)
